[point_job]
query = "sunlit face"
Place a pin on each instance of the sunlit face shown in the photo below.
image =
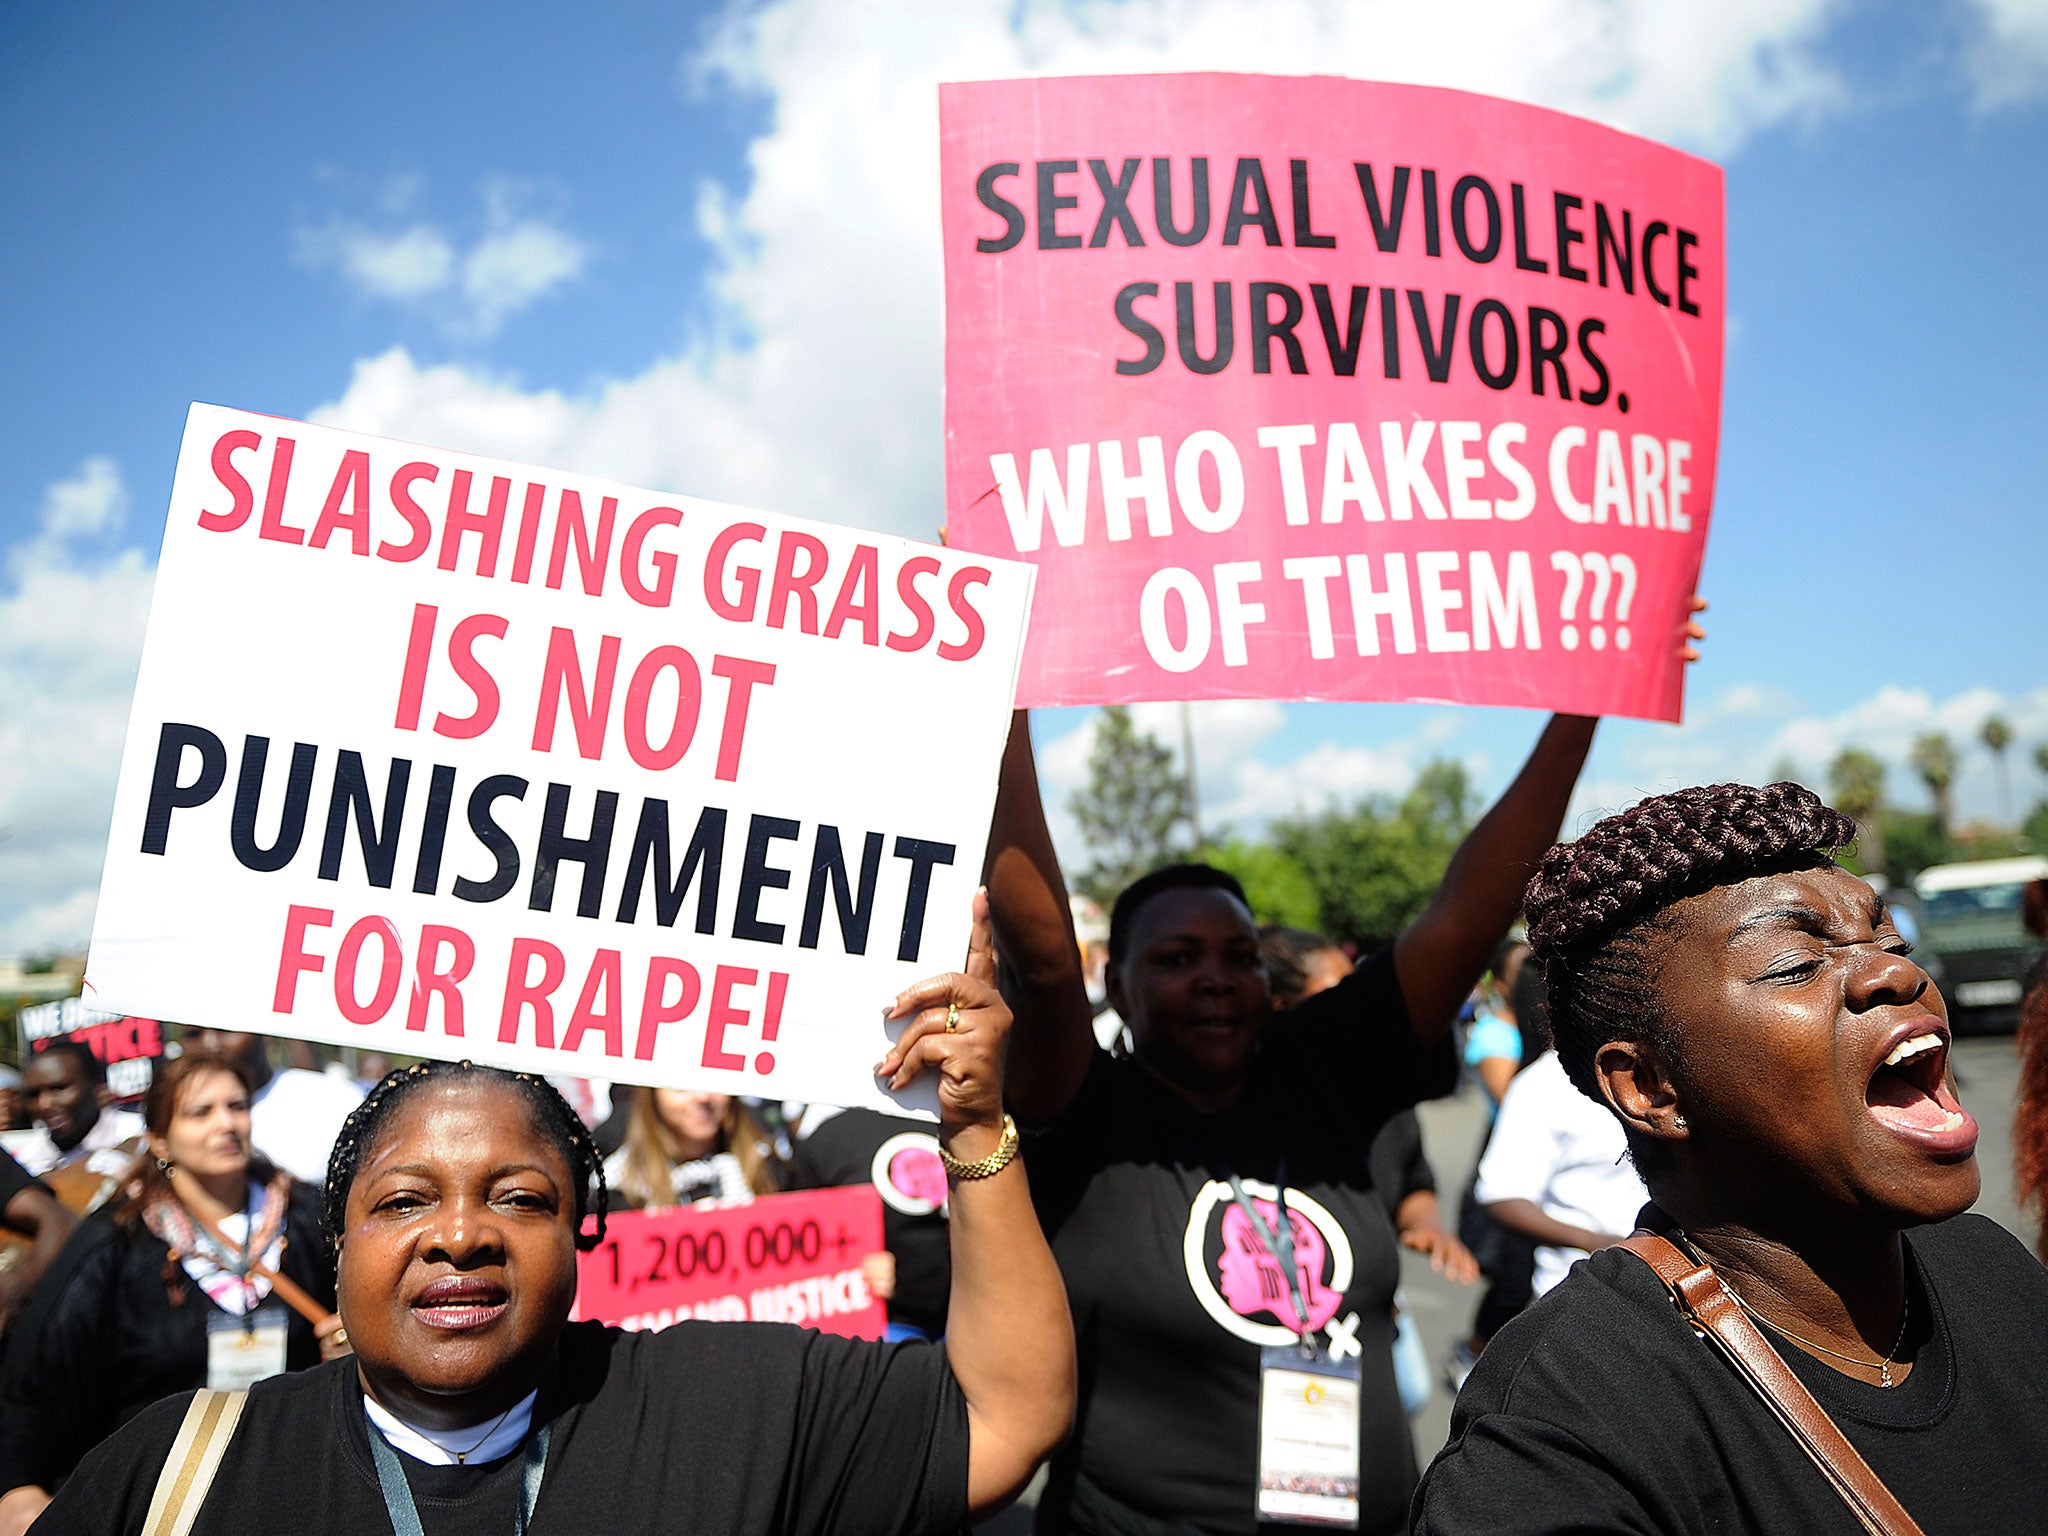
(1787, 996)
(208, 1135)
(695, 1119)
(1192, 987)
(458, 1257)
(59, 1096)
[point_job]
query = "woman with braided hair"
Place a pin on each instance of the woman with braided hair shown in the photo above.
(457, 1198)
(1749, 1014)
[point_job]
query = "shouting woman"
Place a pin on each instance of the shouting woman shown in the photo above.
(1779, 1064)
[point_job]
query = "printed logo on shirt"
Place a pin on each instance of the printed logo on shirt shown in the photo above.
(908, 1175)
(1235, 1276)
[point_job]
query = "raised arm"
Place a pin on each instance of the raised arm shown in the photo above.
(1034, 934)
(1442, 953)
(1009, 1338)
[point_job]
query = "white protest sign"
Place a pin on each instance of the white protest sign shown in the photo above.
(445, 756)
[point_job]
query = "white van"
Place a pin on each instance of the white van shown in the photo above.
(1970, 921)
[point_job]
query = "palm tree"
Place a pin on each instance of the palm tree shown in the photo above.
(1996, 734)
(1856, 778)
(1933, 757)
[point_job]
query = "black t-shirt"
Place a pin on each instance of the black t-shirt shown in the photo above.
(14, 1179)
(1598, 1410)
(1170, 1304)
(729, 1427)
(900, 1157)
(1399, 1168)
(115, 1324)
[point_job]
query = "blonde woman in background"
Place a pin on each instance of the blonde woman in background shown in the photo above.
(688, 1148)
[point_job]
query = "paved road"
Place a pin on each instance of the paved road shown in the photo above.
(1986, 1076)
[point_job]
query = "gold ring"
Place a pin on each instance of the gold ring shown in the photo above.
(340, 1336)
(952, 1018)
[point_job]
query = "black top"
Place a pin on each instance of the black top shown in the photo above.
(1598, 1410)
(1172, 1298)
(14, 1179)
(900, 1157)
(1399, 1168)
(732, 1428)
(116, 1324)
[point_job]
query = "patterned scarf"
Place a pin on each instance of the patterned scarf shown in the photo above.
(224, 1273)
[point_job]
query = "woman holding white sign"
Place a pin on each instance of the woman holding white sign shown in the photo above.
(1210, 1197)
(457, 1199)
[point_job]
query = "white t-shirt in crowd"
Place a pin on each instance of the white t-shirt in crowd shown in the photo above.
(295, 1117)
(1555, 1147)
(110, 1135)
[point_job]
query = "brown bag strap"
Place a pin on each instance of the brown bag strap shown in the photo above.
(1707, 1304)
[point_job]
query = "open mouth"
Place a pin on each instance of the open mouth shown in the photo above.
(459, 1302)
(1909, 1095)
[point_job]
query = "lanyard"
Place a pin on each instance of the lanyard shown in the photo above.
(1279, 1244)
(405, 1515)
(211, 1236)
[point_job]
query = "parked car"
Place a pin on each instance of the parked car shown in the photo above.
(1970, 922)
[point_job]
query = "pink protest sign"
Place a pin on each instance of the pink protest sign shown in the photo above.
(783, 1258)
(1324, 389)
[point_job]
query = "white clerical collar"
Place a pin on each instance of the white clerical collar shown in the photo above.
(447, 1447)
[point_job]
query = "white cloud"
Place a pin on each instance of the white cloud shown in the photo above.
(513, 266)
(516, 260)
(403, 267)
(1719, 742)
(2008, 58)
(89, 505)
(70, 632)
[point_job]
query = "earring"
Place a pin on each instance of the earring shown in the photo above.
(1679, 1122)
(164, 1165)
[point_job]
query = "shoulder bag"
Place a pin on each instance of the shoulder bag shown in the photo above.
(194, 1457)
(1706, 1304)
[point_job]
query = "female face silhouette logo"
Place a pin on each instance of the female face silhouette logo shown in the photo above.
(1252, 1280)
(1242, 1286)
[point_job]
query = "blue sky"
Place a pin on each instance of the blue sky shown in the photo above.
(696, 248)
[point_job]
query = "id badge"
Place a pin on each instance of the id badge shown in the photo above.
(1308, 1437)
(241, 1351)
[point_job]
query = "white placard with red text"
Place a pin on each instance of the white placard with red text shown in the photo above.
(446, 756)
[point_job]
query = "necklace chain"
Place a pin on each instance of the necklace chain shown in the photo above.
(1882, 1367)
(462, 1457)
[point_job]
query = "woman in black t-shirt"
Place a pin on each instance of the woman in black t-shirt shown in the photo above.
(457, 1195)
(1779, 1062)
(1174, 1182)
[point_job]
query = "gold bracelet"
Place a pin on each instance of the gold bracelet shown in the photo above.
(983, 1167)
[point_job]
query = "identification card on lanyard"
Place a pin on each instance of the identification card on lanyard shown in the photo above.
(241, 1351)
(1308, 1436)
(1308, 1401)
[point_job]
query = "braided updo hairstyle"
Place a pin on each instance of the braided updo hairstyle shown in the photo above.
(1597, 905)
(552, 1116)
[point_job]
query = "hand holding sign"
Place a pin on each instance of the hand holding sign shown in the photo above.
(958, 1024)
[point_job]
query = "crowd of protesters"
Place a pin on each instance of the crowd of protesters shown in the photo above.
(1714, 1038)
